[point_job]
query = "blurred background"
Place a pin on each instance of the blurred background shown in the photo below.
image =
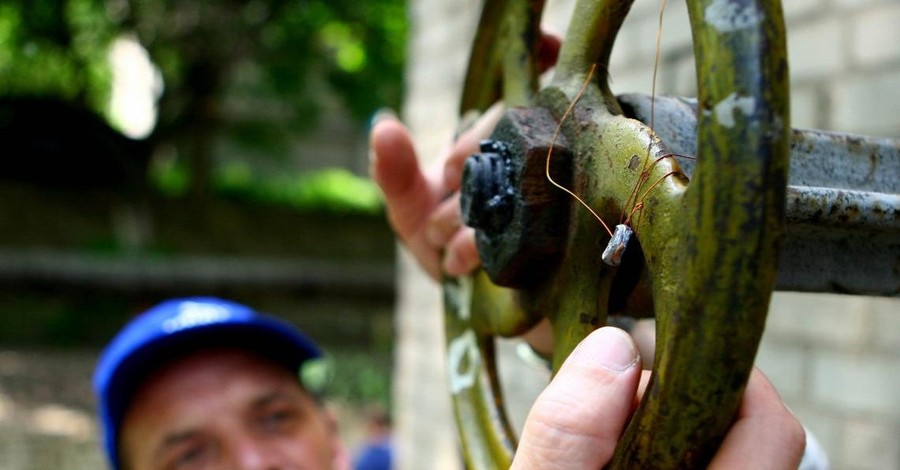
(159, 148)
(175, 147)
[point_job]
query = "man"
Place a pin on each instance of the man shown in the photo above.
(203, 383)
(377, 451)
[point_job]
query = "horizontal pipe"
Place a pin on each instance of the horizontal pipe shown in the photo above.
(842, 207)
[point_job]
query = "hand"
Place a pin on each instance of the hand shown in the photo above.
(578, 419)
(423, 207)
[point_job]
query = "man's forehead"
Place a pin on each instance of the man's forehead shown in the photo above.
(205, 391)
(224, 365)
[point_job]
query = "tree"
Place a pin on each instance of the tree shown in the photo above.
(215, 57)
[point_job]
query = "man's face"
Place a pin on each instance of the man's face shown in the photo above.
(227, 410)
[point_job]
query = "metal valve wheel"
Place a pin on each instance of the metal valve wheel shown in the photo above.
(705, 250)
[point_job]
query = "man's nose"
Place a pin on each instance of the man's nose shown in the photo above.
(255, 454)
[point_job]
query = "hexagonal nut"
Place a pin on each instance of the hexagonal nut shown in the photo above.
(518, 253)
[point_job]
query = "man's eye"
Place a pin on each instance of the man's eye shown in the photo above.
(278, 420)
(189, 457)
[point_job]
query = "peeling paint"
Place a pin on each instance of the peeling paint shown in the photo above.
(726, 16)
(458, 295)
(777, 124)
(725, 109)
(463, 361)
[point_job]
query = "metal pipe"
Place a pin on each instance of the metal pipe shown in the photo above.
(842, 205)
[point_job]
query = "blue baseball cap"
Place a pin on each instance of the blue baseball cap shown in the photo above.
(178, 327)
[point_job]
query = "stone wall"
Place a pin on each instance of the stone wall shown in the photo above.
(835, 359)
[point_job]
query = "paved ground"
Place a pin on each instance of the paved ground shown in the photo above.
(46, 410)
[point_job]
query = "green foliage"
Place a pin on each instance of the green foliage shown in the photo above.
(58, 318)
(170, 177)
(332, 190)
(276, 51)
(364, 59)
(265, 69)
(358, 377)
(53, 49)
(329, 190)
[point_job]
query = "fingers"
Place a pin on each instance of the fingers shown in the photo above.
(445, 231)
(395, 168)
(540, 338)
(467, 144)
(578, 419)
(548, 51)
(409, 194)
(644, 334)
(412, 196)
(765, 434)
(427, 225)
(443, 222)
(461, 257)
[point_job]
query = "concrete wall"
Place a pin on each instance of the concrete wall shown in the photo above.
(440, 32)
(835, 359)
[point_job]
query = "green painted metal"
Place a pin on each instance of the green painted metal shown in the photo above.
(710, 246)
(502, 62)
(711, 317)
(487, 439)
(502, 65)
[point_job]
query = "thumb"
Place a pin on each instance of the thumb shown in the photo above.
(578, 419)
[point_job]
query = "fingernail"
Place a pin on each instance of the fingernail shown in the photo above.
(382, 114)
(610, 348)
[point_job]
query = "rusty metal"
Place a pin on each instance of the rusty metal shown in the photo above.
(710, 247)
(519, 215)
(615, 249)
(842, 205)
(503, 61)
(489, 205)
(841, 241)
(818, 158)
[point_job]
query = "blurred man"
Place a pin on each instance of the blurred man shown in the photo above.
(377, 452)
(203, 383)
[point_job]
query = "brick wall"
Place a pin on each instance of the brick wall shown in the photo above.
(835, 359)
